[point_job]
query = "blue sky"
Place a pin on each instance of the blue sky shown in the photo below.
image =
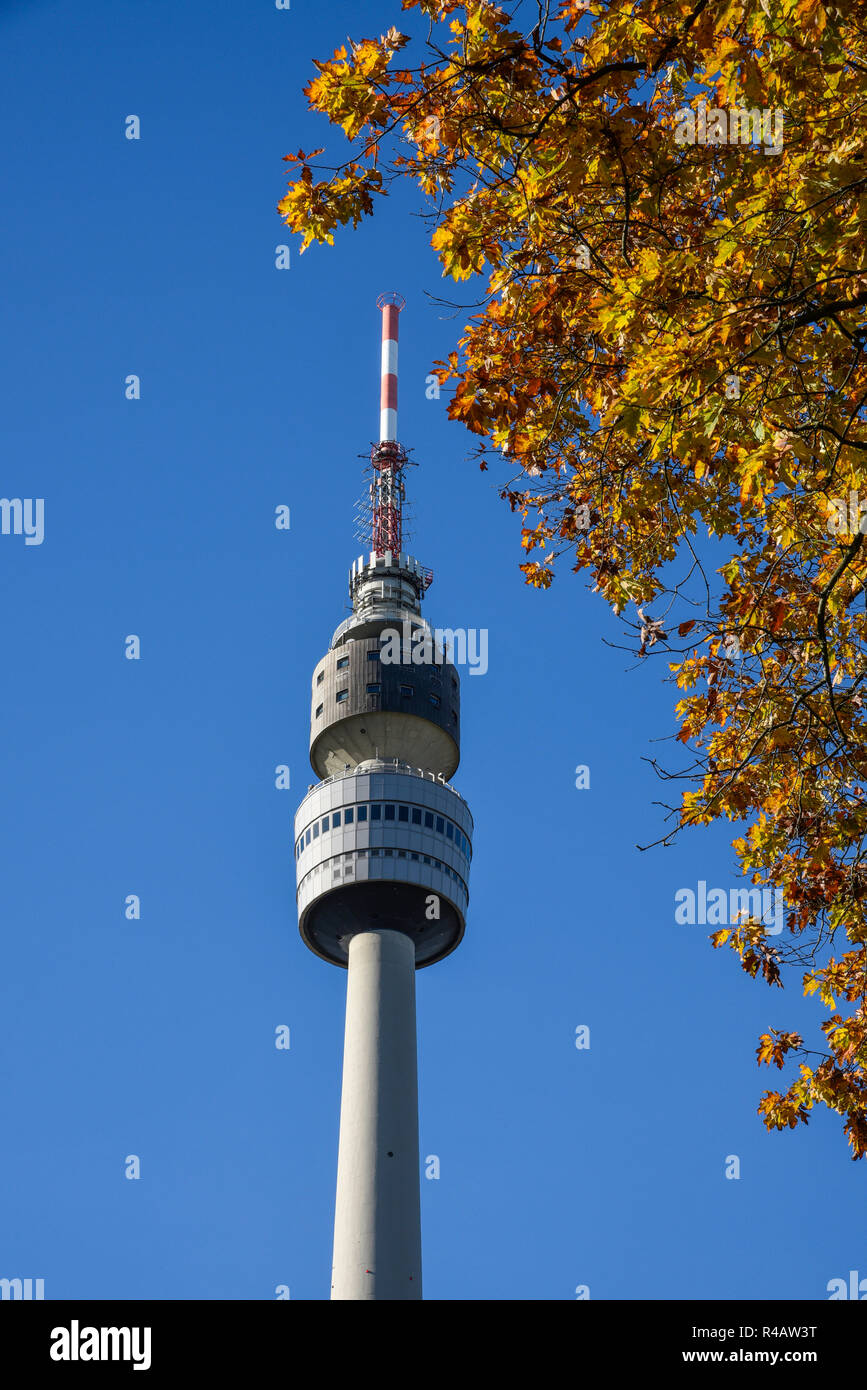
(559, 1167)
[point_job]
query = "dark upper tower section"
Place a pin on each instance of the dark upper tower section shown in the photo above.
(384, 690)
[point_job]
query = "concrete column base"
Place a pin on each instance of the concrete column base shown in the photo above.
(377, 1221)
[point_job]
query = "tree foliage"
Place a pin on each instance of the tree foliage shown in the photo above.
(668, 353)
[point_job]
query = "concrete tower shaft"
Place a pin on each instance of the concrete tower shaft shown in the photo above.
(377, 1218)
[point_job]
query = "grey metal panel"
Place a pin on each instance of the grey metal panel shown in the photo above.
(425, 681)
(385, 790)
(324, 867)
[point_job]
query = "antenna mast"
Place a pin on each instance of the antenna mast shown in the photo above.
(388, 458)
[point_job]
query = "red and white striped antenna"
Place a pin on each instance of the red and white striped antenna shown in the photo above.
(391, 305)
(380, 516)
(388, 457)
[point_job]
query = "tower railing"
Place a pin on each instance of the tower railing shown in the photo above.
(388, 765)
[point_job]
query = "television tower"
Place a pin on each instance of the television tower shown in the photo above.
(382, 849)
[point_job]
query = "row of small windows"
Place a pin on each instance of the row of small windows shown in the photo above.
(409, 815)
(343, 662)
(375, 688)
(349, 871)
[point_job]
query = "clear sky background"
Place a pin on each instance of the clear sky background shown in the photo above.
(559, 1166)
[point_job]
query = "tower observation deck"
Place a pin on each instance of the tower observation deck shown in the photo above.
(383, 845)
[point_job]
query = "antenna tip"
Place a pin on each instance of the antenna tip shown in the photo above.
(391, 297)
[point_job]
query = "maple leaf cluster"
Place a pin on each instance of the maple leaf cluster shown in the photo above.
(670, 361)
